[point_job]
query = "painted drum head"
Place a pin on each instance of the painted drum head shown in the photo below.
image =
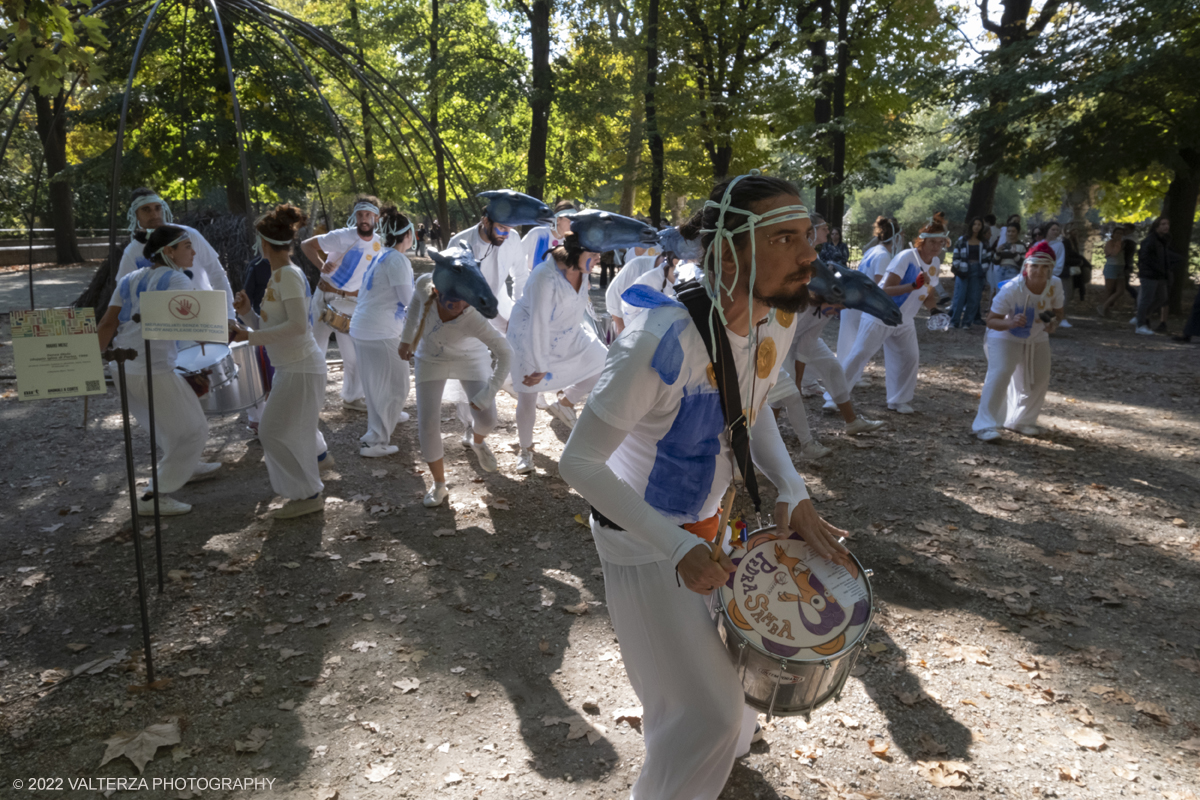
(792, 603)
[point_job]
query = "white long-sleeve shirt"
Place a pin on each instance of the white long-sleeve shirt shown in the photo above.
(206, 269)
(497, 265)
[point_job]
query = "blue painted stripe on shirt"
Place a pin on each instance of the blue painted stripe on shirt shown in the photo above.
(910, 275)
(346, 267)
(681, 478)
(642, 296)
(668, 356)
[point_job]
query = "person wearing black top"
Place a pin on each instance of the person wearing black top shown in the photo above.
(1154, 274)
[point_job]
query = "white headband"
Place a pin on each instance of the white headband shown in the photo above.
(146, 200)
(361, 207)
(258, 240)
(388, 230)
(933, 236)
(566, 212)
(167, 258)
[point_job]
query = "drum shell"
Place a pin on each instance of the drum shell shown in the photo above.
(789, 686)
(235, 381)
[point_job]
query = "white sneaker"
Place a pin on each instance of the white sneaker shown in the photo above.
(863, 425)
(355, 405)
(487, 459)
(298, 508)
(541, 402)
(811, 389)
(829, 407)
(1065, 324)
(1133, 320)
(1029, 430)
(901, 408)
(404, 417)
(468, 438)
(525, 462)
(436, 496)
(167, 506)
(378, 450)
(1144, 330)
(204, 470)
(327, 462)
(988, 435)
(564, 414)
(813, 450)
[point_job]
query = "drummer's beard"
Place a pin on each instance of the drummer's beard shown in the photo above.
(792, 300)
(365, 230)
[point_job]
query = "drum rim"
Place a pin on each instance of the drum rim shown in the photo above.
(182, 371)
(728, 621)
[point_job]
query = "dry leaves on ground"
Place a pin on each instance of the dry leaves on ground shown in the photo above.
(1090, 738)
(406, 685)
(140, 747)
(580, 727)
(378, 772)
(1155, 712)
(1070, 774)
(944, 774)
(631, 715)
(254, 742)
(879, 749)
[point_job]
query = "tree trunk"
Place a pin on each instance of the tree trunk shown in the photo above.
(364, 109)
(541, 99)
(439, 155)
(652, 133)
(633, 159)
(822, 112)
(1179, 206)
(983, 193)
(837, 198)
(235, 190)
(52, 130)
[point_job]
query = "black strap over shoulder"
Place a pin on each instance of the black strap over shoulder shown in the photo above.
(695, 298)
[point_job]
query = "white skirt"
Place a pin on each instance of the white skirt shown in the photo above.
(180, 427)
(290, 434)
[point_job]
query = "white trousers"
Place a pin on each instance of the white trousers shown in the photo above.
(180, 427)
(290, 433)
(351, 385)
(901, 357)
(429, 416)
(847, 333)
(820, 362)
(793, 404)
(527, 406)
(694, 715)
(384, 378)
(1014, 390)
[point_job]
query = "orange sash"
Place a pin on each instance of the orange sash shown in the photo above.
(706, 529)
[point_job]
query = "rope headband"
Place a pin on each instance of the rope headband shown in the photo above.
(146, 200)
(391, 230)
(159, 252)
(350, 220)
(258, 240)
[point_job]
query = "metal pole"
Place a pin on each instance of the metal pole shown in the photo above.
(37, 181)
(153, 464)
(121, 356)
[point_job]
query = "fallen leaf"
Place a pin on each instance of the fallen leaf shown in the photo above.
(1070, 774)
(944, 774)
(379, 772)
(577, 609)
(178, 575)
(330, 699)
(317, 623)
(1127, 774)
(444, 532)
(910, 698)
(275, 629)
(1090, 738)
(78, 648)
(631, 715)
(930, 746)
(452, 778)
(847, 721)
(905, 560)
(140, 747)
(488, 501)
(458, 670)
(879, 749)
(34, 579)
(362, 647)
(325, 793)
(286, 705)
(1192, 745)
(254, 742)
(51, 676)
(544, 545)
(1155, 712)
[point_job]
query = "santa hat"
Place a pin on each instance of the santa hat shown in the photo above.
(1041, 253)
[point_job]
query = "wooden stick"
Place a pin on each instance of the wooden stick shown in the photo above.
(726, 509)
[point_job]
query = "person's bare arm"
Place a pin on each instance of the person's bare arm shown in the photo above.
(107, 328)
(312, 251)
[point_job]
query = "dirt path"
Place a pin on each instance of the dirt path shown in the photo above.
(1038, 635)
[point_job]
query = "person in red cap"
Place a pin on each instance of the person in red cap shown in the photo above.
(1025, 311)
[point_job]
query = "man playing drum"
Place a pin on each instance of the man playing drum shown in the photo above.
(652, 454)
(348, 251)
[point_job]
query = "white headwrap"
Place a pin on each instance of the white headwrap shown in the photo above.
(146, 200)
(259, 239)
(351, 220)
(391, 230)
(181, 238)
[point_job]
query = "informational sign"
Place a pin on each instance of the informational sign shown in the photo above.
(185, 316)
(56, 353)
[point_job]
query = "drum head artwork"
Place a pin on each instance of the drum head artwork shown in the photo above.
(195, 358)
(792, 603)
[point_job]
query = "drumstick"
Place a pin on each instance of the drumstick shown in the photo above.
(726, 508)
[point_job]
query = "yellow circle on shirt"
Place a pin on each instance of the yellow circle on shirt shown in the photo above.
(784, 318)
(766, 357)
(263, 315)
(376, 245)
(712, 375)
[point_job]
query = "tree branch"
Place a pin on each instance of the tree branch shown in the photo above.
(984, 15)
(1048, 11)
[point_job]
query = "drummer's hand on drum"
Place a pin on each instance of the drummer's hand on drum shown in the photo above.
(700, 573)
(241, 334)
(405, 351)
(820, 535)
(534, 379)
(241, 303)
(781, 531)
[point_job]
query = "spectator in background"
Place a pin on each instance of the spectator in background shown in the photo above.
(1114, 270)
(422, 234)
(994, 230)
(1007, 259)
(1154, 273)
(1052, 233)
(820, 230)
(435, 235)
(1076, 264)
(972, 257)
(1012, 218)
(1129, 248)
(835, 251)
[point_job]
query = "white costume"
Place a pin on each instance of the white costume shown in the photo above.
(810, 349)
(873, 264)
(206, 269)
(498, 264)
(378, 320)
(651, 452)
(462, 349)
(180, 426)
(538, 243)
(1018, 372)
(900, 354)
(634, 268)
(550, 332)
(289, 429)
(653, 280)
(351, 253)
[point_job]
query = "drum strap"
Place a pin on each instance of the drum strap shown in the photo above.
(696, 300)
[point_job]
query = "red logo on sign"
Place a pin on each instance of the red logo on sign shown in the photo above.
(184, 307)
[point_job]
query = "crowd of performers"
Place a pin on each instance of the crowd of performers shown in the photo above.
(649, 447)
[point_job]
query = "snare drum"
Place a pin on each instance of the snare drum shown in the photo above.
(335, 319)
(794, 624)
(234, 379)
